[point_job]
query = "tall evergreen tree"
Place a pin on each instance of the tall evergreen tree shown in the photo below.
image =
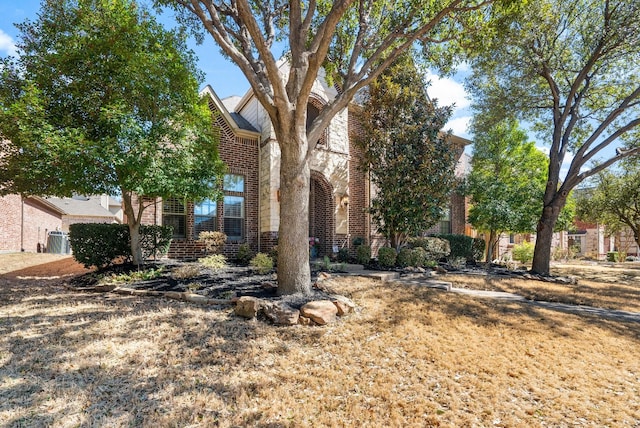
(410, 162)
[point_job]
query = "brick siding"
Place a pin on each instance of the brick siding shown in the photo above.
(26, 225)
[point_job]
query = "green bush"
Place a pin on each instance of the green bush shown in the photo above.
(343, 255)
(244, 255)
(616, 256)
(460, 245)
(214, 261)
(99, 244)
(213, 241)
(387, 257)
(357, 241)
(273, 253)
(363, 254)
(262, 263)
(155, 240)
(404, 257)
(421, 257)
(436, 248)
(477, 249)
(523, 252)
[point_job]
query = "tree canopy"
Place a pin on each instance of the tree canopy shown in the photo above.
(411, 163)
(614, 200)
(571, 69)
(102, 99)
(354, 41)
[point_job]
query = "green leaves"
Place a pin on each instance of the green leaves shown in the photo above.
(103, 99)
(409, 160)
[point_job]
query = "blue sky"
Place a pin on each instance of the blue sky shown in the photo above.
(223, 76)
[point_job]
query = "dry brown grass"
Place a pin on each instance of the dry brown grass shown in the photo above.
(598, 286)
(410, 357)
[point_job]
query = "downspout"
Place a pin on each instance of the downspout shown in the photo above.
(259, 228)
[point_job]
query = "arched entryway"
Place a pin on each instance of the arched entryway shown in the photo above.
(321, 215)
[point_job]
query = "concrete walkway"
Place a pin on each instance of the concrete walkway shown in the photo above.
(498, 295)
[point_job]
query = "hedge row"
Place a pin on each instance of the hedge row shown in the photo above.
(471, 249)
(100, 244)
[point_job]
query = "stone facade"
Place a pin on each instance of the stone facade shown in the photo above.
(339, 191)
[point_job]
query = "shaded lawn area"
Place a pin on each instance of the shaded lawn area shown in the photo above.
(599, 286)
(410, 356)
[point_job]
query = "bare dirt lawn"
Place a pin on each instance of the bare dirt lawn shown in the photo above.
(410, 356)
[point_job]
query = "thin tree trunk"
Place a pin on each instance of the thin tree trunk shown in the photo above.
(491, 245)
(294, 274)
(133, 222)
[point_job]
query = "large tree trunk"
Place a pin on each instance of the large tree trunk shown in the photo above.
(294, 274)
(544, 235)
(133, 222)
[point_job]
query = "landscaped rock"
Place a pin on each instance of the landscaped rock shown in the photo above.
(304, 320)
(343, 304)
(320, 311)
(248, 307)
(281, 313)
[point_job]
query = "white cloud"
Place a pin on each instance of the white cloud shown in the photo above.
(459, 126)
(447, 91)
(7, 45)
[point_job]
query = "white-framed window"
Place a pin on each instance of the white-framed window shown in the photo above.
(444, 225)
(234, 207)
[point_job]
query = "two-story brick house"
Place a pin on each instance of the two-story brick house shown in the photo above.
(249, 211)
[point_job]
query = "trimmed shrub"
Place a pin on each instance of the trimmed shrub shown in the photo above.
(404, 257)
(616, 256)
(99, 244)
(261, 263)
(436, 248)
(213, 241)
(420, 257)
(155, 240)
(185, 272)
(460, 245)
(343, 255)
(214, 261)
(387, 257)
(363, 254)
(244, 255)
(523, 252)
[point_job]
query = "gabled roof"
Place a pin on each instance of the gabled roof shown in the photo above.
(79, 207)
(239, 125)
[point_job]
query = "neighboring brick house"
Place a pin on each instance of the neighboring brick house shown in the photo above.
(249, 211)
(27, 221)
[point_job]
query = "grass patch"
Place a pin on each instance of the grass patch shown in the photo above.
(410, 357)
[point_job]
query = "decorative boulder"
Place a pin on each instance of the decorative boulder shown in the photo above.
(343, 304)
(247, 307)
(281, 313)
(320, 311)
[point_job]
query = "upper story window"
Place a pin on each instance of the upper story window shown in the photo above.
(234, 207)
(312, 113)
(174, 214)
